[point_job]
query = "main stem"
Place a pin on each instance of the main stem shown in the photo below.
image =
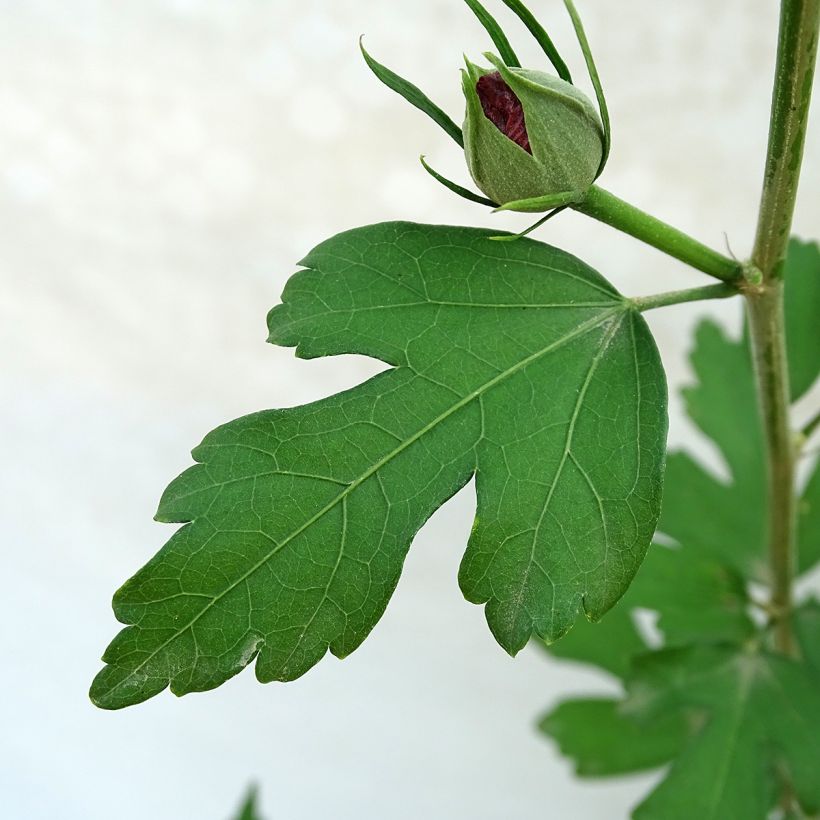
(794, 74)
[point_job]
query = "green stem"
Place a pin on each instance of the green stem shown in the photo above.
(794, 74)
(608, 208)
(767, 332)
(796, 57)
(678, 297)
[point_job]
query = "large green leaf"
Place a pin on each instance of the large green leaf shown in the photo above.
(697, 588)
(803, 315)
(511, 361)
(760, 723)
(603, 741)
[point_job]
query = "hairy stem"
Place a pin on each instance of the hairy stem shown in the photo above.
(766, 327)
(796, 57)
(678, 297)
(608, 208)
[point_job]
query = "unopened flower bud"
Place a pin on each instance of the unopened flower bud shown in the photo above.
(528, 134)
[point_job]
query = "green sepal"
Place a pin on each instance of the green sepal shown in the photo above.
(543, 203)
(542, 38)
(527, 231)
(414, 95)
(455, 187)
(565, 132)
(565, 135)
(496, 33)
(595, 79)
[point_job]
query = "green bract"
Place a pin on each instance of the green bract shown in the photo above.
(565, 134)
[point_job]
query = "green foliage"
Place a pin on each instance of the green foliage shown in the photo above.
(802, 301)
(760, 717)
(248, 809)
(511, 361)
(738, 720)
(604, 742)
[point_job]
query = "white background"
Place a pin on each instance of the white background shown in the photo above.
(165, 163)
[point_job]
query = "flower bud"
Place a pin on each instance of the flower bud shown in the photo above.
(528, 134)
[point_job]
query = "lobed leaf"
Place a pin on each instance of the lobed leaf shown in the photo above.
(603, 741)
(514, 362)
(760, 722)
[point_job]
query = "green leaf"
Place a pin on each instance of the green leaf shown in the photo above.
(732, 521)
(697, 589)
(802, 299)
(515, 362)
(730, 524)
(609, 644)
(806, 625)
(696, 599)
(248, 809)
(808, 523)
(603, 741)
(760, 718)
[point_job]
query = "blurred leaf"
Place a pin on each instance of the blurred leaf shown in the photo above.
(696, 598)
(248, 810)
(513, 361)
(761, 717)
(602, 741)
(803, 315)
(609, 644)
(730, 521)
(808, 522)
(807, 630)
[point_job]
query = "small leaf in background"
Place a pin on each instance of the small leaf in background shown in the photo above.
(609, 643)
(248, 809)
(515, 362)
(760, 723)
(806, 623)
(803, 315)
(602, 741)
(808, 523)
(730, 522)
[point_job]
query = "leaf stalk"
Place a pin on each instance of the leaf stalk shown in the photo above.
(678, 297)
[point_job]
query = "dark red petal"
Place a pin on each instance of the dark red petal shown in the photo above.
(503, 108)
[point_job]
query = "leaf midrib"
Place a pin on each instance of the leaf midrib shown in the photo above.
(580, 330)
